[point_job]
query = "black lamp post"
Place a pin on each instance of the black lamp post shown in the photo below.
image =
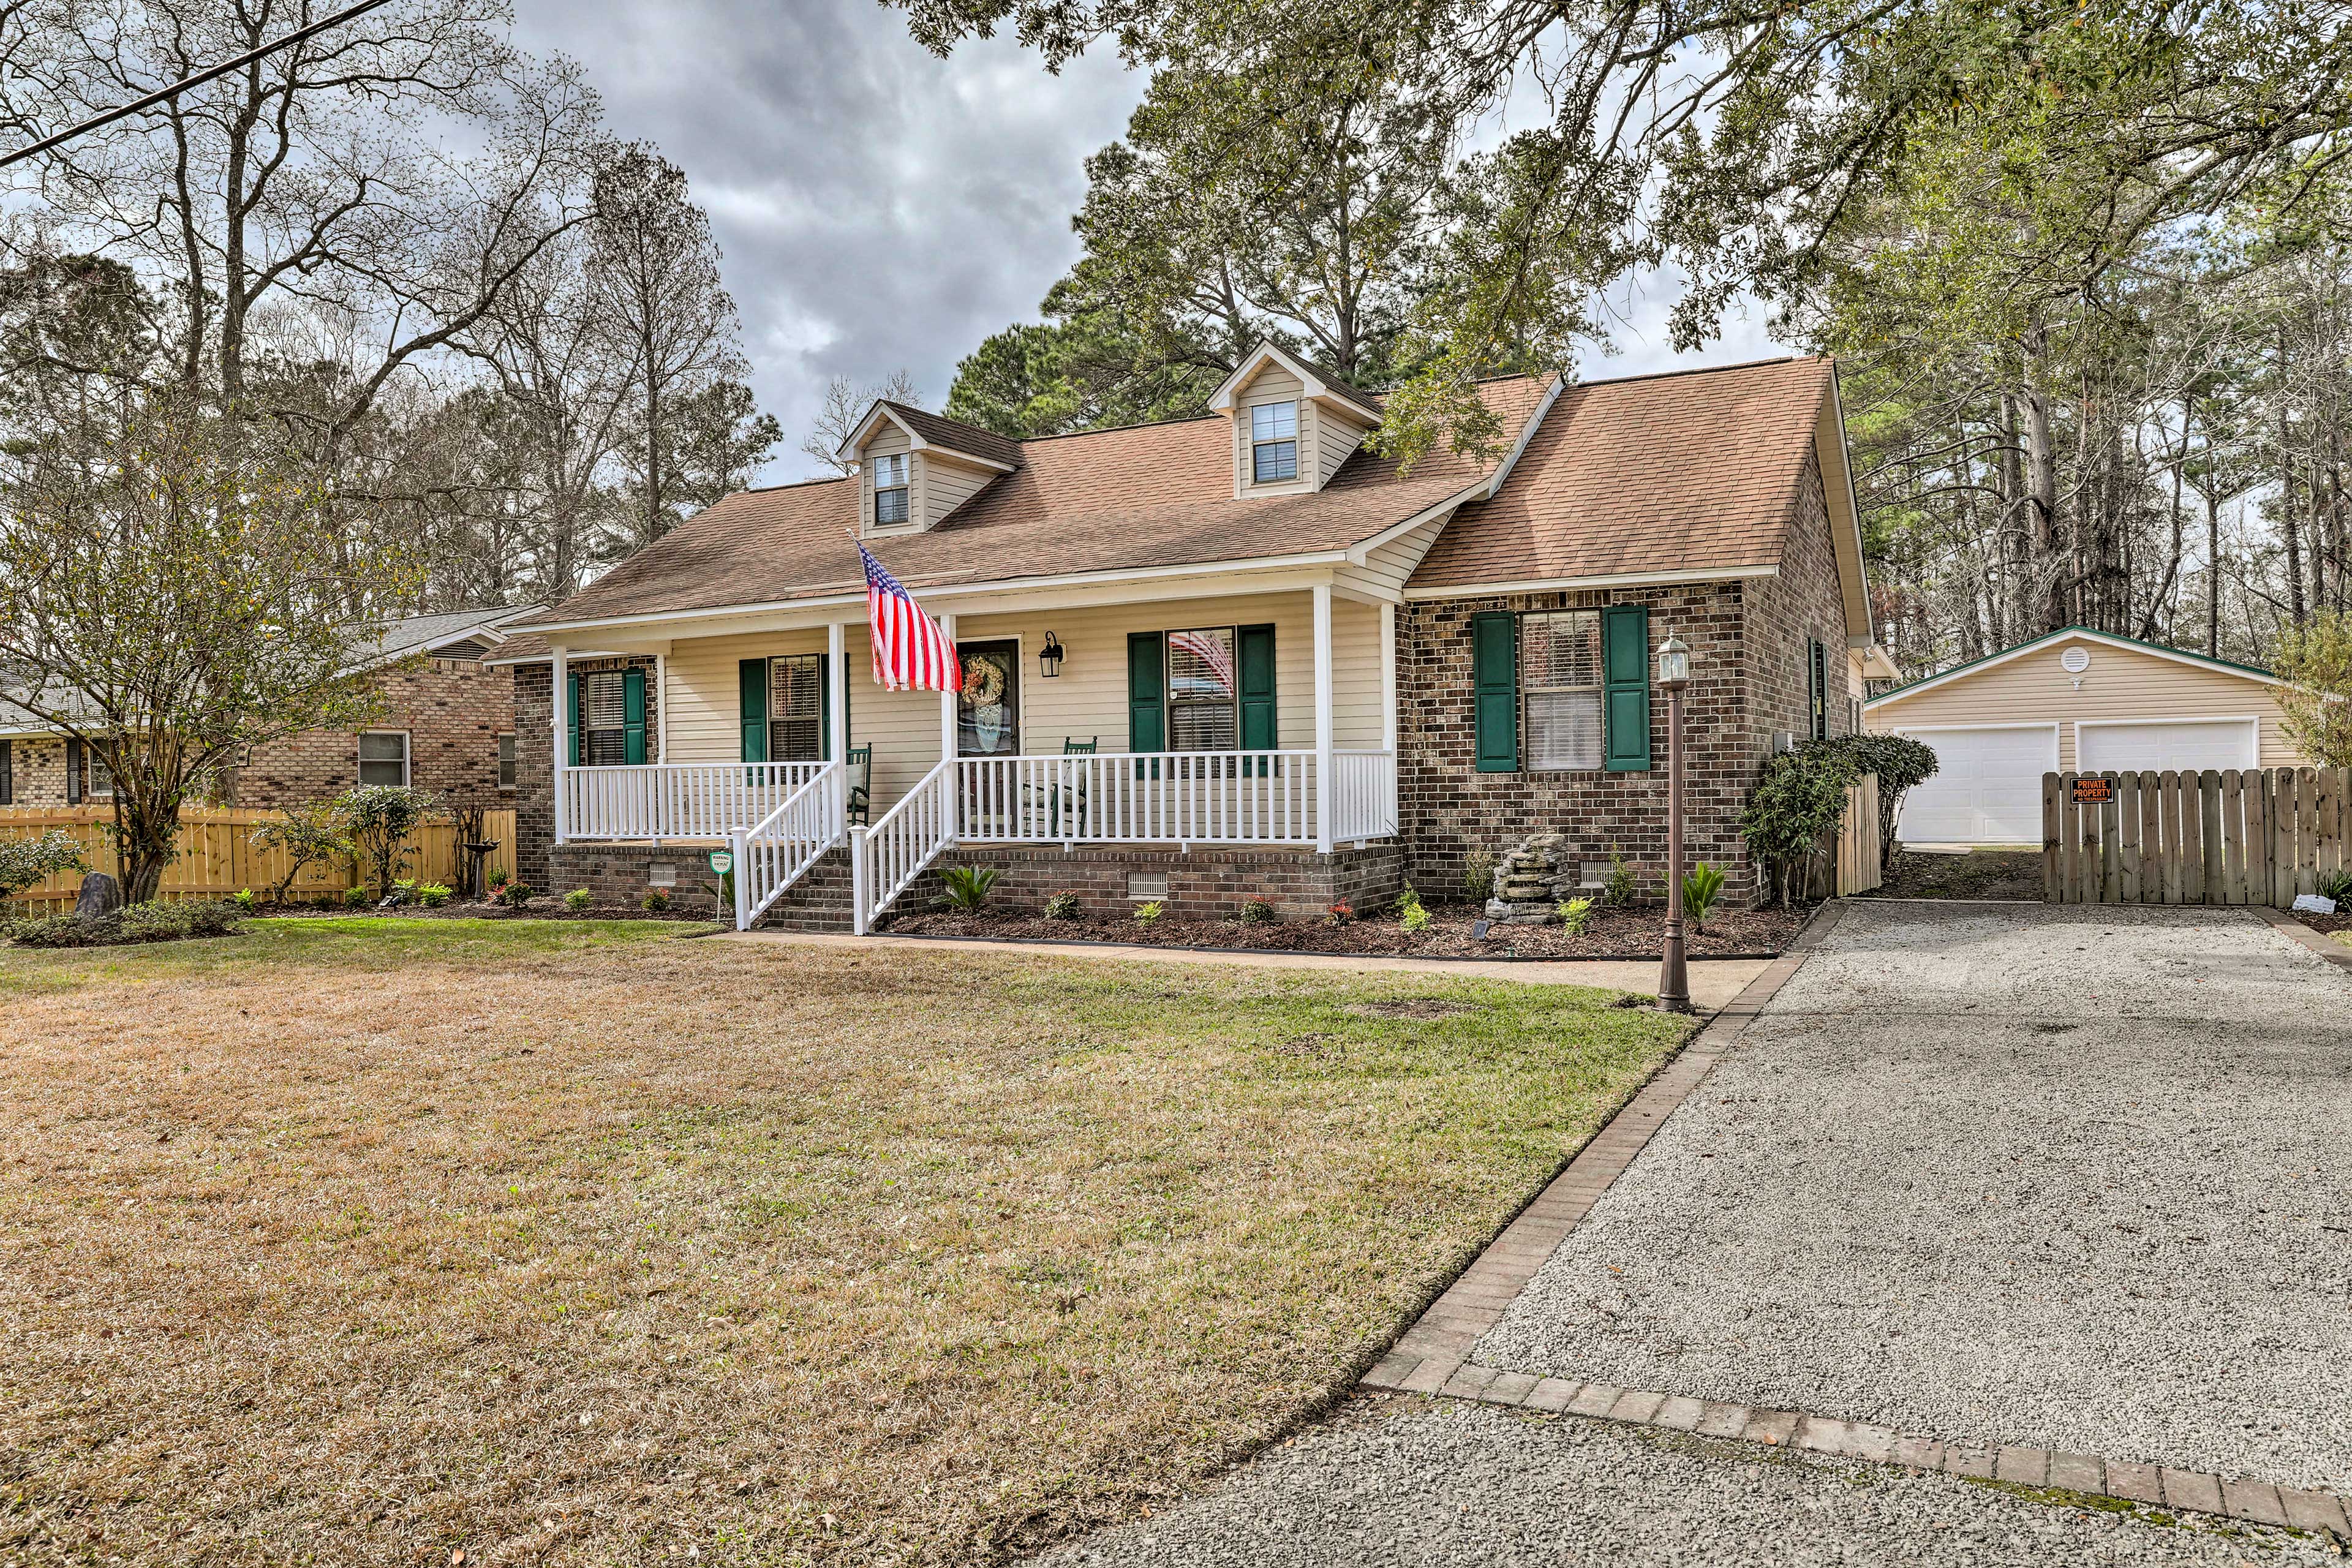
(1674, 975)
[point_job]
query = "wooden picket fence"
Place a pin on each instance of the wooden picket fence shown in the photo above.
(2259, 837)
(217, 856)
(1861, 865)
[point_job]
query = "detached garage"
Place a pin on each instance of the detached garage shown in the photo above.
(2075, 701)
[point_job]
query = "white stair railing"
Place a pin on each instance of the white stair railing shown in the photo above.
(885, 859)
(777, 850)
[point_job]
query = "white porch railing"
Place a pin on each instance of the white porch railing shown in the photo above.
(1364, 799)
(885, 859)
(678, 800)
(776, 852)
(1162, 798)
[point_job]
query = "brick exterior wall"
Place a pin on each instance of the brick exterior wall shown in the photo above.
(36, 771)
(534, 796)
(453, 710)
(1207, 884)
(1748, 663)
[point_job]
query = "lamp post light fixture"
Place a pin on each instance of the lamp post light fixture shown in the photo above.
(1049, 658)
(1673, 973)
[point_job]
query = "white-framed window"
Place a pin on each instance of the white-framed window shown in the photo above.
(1559, 672)
(101, 777)
(1273, 442)
(796, 708)
(605, 718)
(1204, 691)
(889, 488)
(507, 763)
(384, 756)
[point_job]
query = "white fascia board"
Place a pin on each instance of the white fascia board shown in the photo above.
(1359, 552)
(1852, 504)
(2048, 639)
(1526, 434)
(848, 450)
(1222, 400)
(845, 599)
(1612, 579)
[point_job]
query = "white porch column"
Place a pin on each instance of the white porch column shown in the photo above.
(947, 700)
(1323, 717)
(1388, 709)
(836, 641)
(556, 747)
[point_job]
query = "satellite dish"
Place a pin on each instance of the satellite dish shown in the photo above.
(2075, 660)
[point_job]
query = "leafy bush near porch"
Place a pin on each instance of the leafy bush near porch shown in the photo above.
(966, 888)
(25, 861)
(1898, 760)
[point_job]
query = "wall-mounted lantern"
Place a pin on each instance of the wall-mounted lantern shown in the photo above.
(1049, 658)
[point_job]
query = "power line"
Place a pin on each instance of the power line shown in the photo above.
(165, 94)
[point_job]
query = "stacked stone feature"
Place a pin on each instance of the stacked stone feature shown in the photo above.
(1531, 881)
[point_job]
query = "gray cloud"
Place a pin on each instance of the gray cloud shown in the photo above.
(881, 208)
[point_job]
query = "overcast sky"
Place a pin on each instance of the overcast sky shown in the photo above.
(880, 209)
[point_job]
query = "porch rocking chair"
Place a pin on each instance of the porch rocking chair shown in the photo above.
(1073, 747)
(858, 775)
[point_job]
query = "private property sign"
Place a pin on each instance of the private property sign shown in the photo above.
(2094, 791)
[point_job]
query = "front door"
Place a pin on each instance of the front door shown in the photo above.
(988, 708)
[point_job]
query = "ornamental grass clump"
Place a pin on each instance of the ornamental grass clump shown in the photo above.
(1702, 885)
(965, 888)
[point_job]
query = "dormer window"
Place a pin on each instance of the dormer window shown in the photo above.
(889, 489)
(1273, 442)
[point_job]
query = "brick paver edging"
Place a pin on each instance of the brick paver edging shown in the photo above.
(1437, 1345)
(1432, 1356)
(2294, 930)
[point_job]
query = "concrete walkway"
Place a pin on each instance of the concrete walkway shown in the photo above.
(1714, 982)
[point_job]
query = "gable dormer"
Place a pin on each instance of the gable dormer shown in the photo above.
(1294, 422)
(914, 469)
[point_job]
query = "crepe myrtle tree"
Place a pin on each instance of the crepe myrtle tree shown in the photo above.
(171, 594)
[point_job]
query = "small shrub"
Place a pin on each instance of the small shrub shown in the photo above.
(1339, 913)
(655, 901)
(1061, 907)
(514, 895)
(498, 878)
(1702, 885)
(966, 888)
(578, 898)
(244, 899)
(432, 895)
(355, 898)
(1620, 887)
(1575, 914)
(1416, 918)
(404, 890)
(25, 861)
(378, 818)
(169, 922)
(1478, 874)
(1148, 911)
(309, 835)
(64, 931)
(1258, 912)
(2338, 884)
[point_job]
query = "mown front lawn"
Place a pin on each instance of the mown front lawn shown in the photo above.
(357, 1240)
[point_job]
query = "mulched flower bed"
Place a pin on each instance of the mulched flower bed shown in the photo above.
(1612, 933)
(2328, 923)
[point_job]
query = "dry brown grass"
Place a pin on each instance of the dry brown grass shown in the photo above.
(352, 1242)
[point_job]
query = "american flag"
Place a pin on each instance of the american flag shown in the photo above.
(910, 652)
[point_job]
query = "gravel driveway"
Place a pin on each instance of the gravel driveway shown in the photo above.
(1467, 1484)
(2079, 1179)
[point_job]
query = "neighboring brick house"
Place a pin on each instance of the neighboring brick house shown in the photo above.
(1213, 659)
(446, 723)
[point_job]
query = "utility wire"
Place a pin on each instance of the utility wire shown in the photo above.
(211, 73)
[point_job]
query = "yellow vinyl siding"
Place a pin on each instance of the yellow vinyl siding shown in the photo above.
(2120, 684)
(1274, 384)
(1336, 440)
(942, 484)
(701, 694)
(1386, 570)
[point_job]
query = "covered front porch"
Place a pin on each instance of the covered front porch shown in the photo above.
(1178, 719)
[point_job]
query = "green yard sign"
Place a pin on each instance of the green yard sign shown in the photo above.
(722, 861)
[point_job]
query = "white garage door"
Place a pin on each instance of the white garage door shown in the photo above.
(1987, 788)
(2141, 745)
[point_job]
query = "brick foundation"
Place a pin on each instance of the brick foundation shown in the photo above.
(1206, 884)
(622, 873)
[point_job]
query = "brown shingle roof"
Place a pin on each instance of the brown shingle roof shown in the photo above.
(956, 435)
(1104, 500)
(1691, 471)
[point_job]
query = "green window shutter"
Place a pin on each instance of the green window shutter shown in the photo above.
(1495, 688)
(633, 717)
(1147, 692)
(1254, 650)
(1625, 677)
(73, 772)
(751, 679)
(7, 773)
(825, 707)
(572, 748)
(1817, 679)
